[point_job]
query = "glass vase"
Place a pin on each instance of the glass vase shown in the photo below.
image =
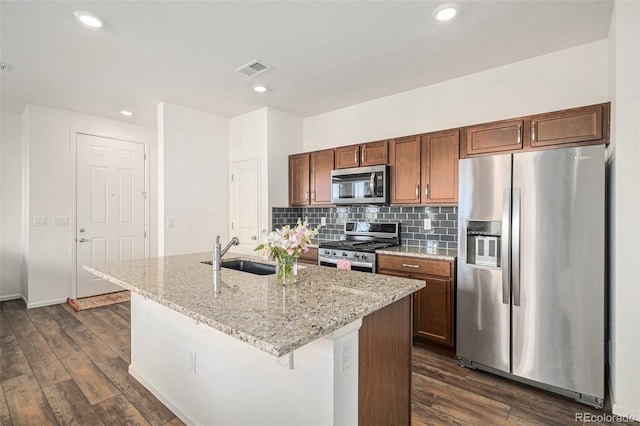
(286, 270)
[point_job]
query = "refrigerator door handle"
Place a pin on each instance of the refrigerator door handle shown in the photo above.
(504, 249)
(515, 264)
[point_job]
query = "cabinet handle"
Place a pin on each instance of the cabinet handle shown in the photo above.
(364, 153)
(533, 131)
(314, 195)
(426, 190)
(355, 156)
(519, 134)
(306, 196)
(407, 265)
(417, 190)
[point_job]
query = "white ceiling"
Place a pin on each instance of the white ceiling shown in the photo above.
(325, 54)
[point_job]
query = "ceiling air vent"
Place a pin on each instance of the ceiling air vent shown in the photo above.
(253, 68)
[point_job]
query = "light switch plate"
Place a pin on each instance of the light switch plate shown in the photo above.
(60, 221)
(39, 221)
(323, 221)
(427, 224)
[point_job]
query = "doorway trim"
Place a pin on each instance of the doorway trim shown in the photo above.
(73, 175)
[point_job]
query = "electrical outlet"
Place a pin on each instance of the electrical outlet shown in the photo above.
(192, 362)
(170, 222)
(323, 221)
(346, 356)
(427, 224)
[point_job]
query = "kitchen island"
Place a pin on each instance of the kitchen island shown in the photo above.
(334, 348)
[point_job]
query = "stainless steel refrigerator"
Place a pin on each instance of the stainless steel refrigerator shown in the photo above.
(531, 279)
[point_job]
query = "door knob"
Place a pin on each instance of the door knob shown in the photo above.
(81, 229)
(254, 237)
(82, 240)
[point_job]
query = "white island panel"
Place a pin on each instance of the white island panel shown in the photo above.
(207, 377)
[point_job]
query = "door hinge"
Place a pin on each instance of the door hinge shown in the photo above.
(145, 155)
(232, 177)
(144, 194)
(231, 225)
(145, 234)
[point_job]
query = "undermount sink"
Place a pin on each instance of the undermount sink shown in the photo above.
(248, 266)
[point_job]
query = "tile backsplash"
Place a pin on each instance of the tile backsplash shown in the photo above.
(443, 232)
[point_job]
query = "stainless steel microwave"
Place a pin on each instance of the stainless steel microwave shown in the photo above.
(360, 185)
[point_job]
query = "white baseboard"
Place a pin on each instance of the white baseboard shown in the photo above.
(11, 297)
(178, 411)
(618, 410)
(45, 303)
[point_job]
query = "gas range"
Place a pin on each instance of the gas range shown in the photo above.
(361, 240)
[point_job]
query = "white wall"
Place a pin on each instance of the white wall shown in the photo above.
(284, 139)
(271, 135)
(194, 147)
(564, 79)
(248, 139)
(10, 205)
(47, 133)
(624, 185)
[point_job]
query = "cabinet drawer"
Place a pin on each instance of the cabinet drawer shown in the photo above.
(415, 265)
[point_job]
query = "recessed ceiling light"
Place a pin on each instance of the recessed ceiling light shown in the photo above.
(88, 19)
(127, 113)
(446, 11)
(260, 88)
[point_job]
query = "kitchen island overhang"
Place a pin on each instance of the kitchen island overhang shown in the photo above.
(258, 352)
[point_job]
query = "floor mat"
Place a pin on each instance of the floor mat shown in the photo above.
(97, 301)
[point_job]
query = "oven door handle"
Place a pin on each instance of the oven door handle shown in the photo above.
(335, 262)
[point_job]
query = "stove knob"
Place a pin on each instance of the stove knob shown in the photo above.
(364, 257)
(333, 253)
(356, 256)
(344, 254)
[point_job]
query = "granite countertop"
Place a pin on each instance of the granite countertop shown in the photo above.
(421, 252)
(255, 309)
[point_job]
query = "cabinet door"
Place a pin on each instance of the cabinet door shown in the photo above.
(405, 170)
(494, 137)
(573, 126)
(347, 157)
(321, 165)
(299, 180)
(374, 153)
(311, 256)
(440, 155)
(432, 313)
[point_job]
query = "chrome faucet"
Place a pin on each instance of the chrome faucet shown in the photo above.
(218, 252)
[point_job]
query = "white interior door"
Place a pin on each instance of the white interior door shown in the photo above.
(245, 204)
(110, 207)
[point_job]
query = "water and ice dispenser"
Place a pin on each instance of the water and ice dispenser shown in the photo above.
(483, 243)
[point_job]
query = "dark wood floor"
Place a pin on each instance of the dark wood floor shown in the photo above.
(62, 367)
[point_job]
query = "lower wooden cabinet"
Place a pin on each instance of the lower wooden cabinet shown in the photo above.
(434, 306)
(311, 256)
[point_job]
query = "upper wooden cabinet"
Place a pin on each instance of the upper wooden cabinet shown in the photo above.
(588, 124)
(299, 179)
(310, 178)
(440, 155)
(405, 170)
(494, 137)
(368, 154)
(322, 163)
(424, 169)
